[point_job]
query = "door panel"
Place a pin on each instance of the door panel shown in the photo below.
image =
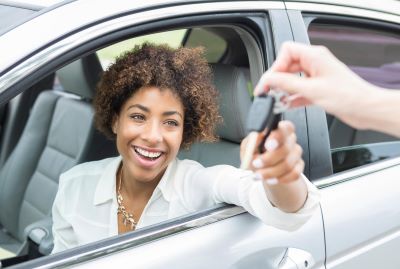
(362, 219)
(237, 242)
(241, 241)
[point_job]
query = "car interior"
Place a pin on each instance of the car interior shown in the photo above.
(48, 129)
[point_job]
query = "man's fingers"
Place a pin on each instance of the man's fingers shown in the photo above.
(300, 54)
(287, 82)
(297, 100)
(292, 57)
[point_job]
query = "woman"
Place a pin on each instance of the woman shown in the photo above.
(153, 101)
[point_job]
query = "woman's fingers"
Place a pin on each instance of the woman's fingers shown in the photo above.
(284, 167)
(283, 155)
(282, 162)
(294, 174)
(273, 157)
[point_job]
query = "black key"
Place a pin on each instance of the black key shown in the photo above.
(261, 117)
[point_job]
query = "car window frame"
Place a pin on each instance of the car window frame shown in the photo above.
(320, 163)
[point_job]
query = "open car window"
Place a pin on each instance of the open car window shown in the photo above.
(59, 110)
(173, 38)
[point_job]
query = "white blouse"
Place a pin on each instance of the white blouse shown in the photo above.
(85, 207)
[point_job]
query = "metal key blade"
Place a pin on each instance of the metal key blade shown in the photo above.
(249, 150)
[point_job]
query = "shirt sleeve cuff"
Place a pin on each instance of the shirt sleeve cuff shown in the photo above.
(259, 206)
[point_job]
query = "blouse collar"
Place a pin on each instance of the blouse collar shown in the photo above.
(106, 187)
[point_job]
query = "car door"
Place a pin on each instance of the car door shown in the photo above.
(224, 237)
(360, 203)
(221, 237)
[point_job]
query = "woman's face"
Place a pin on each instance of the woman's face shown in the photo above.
(149, 132)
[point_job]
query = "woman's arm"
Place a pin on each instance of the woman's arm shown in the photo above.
(280, 169)
(63, 232)
(286, 200)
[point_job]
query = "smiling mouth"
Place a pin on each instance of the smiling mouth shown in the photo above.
(149, 155)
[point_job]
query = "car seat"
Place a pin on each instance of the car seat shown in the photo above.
(235, 101)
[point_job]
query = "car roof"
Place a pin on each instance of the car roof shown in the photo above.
(387, 6)
(84, 14)
(30, 4)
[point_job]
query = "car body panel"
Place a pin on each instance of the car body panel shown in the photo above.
(386, 14)
(347, 243)
(247, 243)
(386, 6)
(362, 216)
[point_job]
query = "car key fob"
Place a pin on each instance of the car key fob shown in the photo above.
(261, 117)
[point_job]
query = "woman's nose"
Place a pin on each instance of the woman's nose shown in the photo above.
(152, 133)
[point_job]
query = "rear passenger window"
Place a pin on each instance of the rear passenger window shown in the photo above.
(374, 54)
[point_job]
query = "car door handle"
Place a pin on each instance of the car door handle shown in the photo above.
(295, 258)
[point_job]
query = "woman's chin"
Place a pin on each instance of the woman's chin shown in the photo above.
(147, 177)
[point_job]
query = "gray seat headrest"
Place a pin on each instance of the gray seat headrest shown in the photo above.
(235, 100)
(81, 77)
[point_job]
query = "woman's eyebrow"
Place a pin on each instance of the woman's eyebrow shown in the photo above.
(140, 107)
(146, 109)
(169, 113)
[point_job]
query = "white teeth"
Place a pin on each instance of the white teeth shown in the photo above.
(148, 153)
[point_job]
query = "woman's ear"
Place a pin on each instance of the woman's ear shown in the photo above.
(115, 125)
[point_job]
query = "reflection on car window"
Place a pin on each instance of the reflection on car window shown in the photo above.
(172, 38)
(373, 54)
(215, 45)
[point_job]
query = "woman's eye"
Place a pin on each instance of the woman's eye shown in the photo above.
(172, 123)
(137, 117)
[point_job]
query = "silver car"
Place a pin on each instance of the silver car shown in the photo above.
(51, 58)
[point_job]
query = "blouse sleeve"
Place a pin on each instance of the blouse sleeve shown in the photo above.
(235, 186)
(63, 233)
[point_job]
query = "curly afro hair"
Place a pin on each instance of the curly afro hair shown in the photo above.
(184, 71)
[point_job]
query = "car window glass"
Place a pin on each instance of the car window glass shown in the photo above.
(373, 54)
(172, 38)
